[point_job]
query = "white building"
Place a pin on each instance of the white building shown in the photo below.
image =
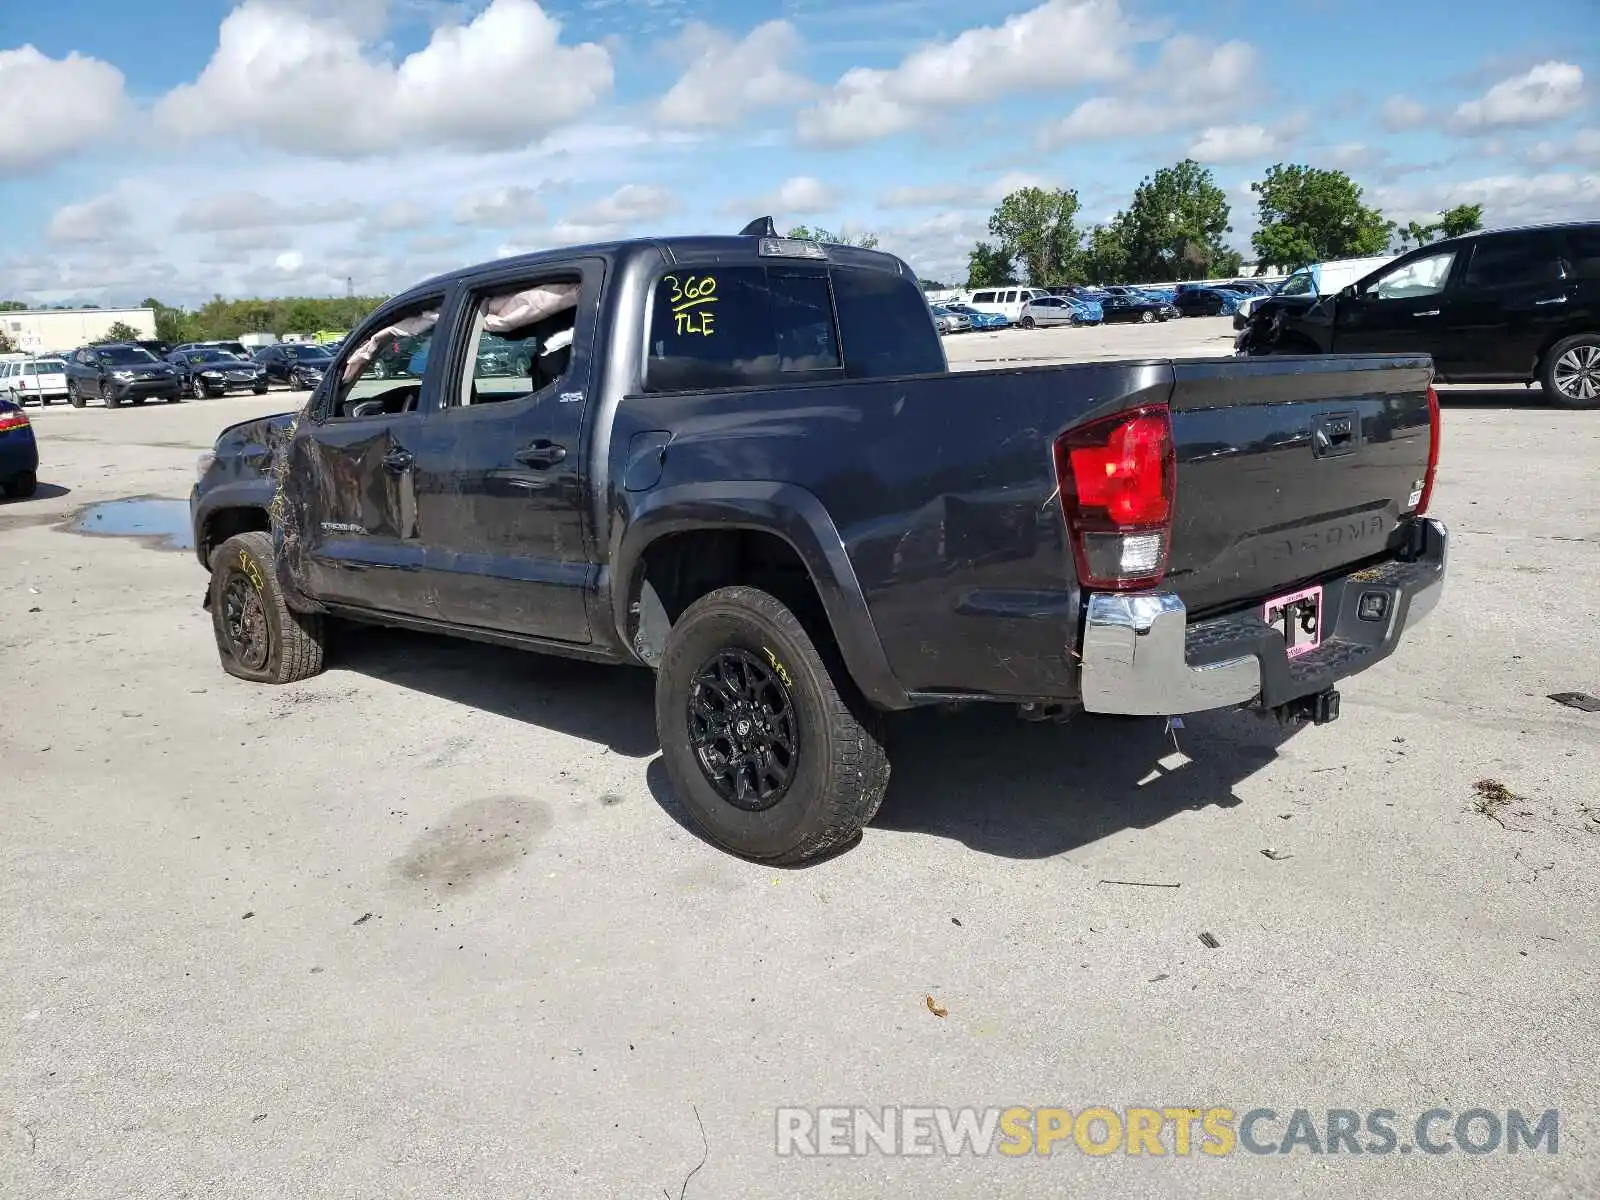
(52, 330)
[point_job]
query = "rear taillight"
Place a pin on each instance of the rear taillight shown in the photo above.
(1434, 425)
(1117, 477)
(12, 420)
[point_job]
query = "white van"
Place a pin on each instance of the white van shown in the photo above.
(1007, 301)
(41, 379)
(1319, 279)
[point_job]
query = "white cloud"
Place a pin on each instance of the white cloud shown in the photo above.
(403, 214)
(1058, 45)
(1201, 82)
(52, 105)
(310, 84)
(1401, 113)
(1506, 199)
(1582, 147)
(801, 195)
(1547, 92)
(500, 208)
(616, 215)
(726, 79)
(959, 195)
(937, 248)
(104, 219)
(252, 210)
(1235, 143)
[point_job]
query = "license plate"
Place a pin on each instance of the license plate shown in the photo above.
(1298, 617)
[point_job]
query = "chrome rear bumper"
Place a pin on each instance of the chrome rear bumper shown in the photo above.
(1142, 656)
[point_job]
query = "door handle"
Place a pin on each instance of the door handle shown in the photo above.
(398, 461)
(542, 453)
(1552, 300)
(1432, 312)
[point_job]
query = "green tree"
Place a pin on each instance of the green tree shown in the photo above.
(121, 331)
(990, 266)
(1105, 254)
(1175, 225)
(12, 305)
(171, 323)
(1038, 226)
(866, 241)
(7, 346)
(932, 285)
(1463, 218)
(1312, 215)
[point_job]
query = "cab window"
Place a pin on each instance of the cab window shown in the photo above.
(521, 342)
(740, 326)
(983, 297)
(382, 373)
(1424, 276)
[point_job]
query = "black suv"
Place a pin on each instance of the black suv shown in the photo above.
(1501, 306)
(118, 371)
(298, 364)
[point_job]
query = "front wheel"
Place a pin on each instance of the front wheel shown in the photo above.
(1570, 373)
(774, 753)
(1147, 316)
(113, 401)
(259, 637)
(74, 396)
(197, 389)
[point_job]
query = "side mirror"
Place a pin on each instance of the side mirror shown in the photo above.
(1348, 292)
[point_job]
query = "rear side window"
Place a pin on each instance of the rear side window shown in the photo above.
(983, 298)
(739, 326)
(1508, 262)
(885, 325)
(1583, 252)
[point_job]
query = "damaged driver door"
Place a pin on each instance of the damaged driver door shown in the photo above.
(349, 514)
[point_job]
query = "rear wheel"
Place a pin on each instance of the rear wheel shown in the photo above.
(21, 485)
(776, 755)
(259, 637)
(1570, 373)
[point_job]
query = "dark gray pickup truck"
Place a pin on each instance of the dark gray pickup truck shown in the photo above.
(742, 462)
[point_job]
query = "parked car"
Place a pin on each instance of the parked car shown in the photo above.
(38, 379)
(1194, 300)
(19, 453)
(797, 516)
(1503, 306)
(206, 372)
(1006, 301)
(1049, 310)
(979, 320)
(1318, 279)
(1130, 306)
(296, 364)
(947, 322)
(119, 371)
(236, 348)
(156, 347)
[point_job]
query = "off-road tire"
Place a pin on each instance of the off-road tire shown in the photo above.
(841, 771)
(1547, 372)
(294, 639)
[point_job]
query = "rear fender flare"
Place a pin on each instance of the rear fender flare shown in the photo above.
(788, 512)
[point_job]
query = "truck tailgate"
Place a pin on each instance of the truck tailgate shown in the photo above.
(1291, 468)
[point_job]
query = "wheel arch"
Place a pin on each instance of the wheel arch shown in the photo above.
(685, 541)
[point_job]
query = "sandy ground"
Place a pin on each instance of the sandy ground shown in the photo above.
(431, 924)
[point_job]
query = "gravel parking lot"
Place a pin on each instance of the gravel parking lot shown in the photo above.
(432, 924)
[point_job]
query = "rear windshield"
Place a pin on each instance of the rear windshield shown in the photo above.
(743, 326)
(51, 366)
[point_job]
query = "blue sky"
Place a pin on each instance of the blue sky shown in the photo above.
(181, 148)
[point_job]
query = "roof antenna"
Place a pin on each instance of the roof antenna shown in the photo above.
(760, 227)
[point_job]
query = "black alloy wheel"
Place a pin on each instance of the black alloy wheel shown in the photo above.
(743, 729)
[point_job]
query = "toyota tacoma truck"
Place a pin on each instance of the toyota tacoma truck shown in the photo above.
(742, 462)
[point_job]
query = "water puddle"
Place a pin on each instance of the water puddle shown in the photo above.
(158, 522)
